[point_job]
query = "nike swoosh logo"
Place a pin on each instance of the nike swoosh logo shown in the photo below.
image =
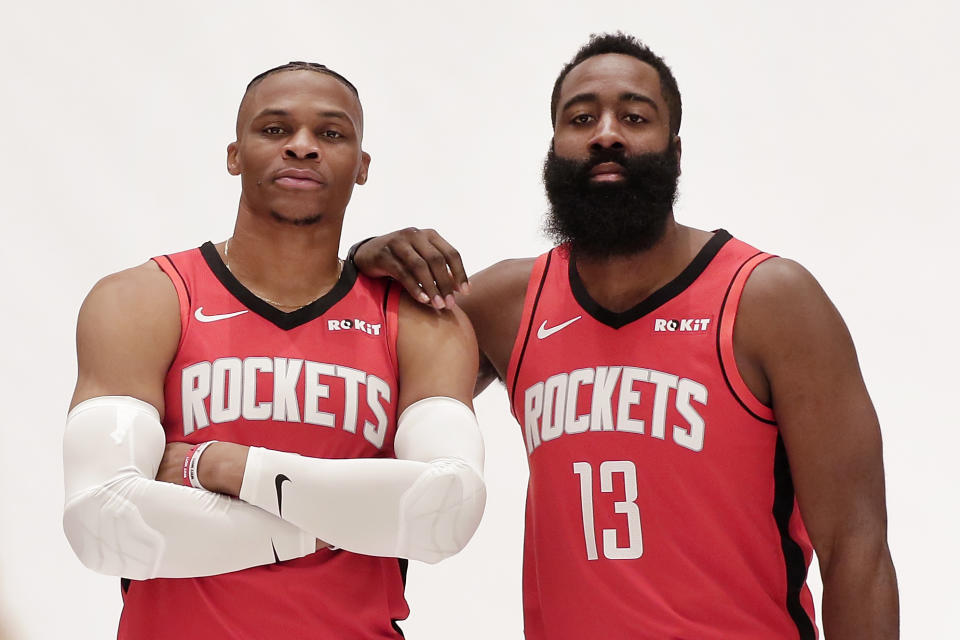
(544, 332)
(199, 315)
(275, 556)
(279, 480)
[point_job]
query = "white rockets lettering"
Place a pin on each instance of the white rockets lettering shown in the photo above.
(550, 407)
(231, 385)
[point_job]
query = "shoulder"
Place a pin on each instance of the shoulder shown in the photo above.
(506, 272)
(784, 309)
(145, 283)
(501, 282)
(780, 286)
(142, 298)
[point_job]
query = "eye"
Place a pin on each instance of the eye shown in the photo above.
(332, 134)
(583, 118)
(634, 118)
(274, 130)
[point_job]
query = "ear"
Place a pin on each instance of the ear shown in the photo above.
(676, 139)
(233, 159)
(364, 167)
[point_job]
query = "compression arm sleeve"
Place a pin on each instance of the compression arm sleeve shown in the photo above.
(425, 505)
(120, 521)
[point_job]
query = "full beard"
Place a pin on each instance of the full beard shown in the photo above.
(603, 220)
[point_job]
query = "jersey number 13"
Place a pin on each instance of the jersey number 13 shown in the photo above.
(628, 507)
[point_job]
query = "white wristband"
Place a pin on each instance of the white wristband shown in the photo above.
(193, 464)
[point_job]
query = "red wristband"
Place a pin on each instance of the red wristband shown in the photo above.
(191, 465)
(186, 464)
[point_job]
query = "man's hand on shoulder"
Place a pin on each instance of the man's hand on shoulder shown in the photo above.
(432, 271)
(425, 264)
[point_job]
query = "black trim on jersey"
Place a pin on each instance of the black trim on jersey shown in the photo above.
(386, 297)
(182, 280)
(795, 566)
(282, 319)
(723, 370)
(533, 314)
(125, 585)
(404, 563)
(618, 319)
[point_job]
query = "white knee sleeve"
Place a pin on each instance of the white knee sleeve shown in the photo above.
(425, 505)
(122, 522)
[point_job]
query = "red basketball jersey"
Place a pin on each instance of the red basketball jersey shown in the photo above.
(320, 381)
(660, 503)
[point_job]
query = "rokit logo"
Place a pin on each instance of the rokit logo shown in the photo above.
(682, 325)
(355, 325)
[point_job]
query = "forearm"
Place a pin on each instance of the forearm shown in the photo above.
(860, 597)
(366, 506)
(120, 521)
(425, 507)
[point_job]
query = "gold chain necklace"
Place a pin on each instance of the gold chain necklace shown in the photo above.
(294, 307)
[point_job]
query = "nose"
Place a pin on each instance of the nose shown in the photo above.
(607, 134)
(302, 146)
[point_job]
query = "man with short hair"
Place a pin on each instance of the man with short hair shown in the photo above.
(265, 368)
(684, 397)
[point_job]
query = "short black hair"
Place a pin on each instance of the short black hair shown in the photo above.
(299, 65)
(625, 44)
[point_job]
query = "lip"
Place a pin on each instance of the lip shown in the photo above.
(607, 171)
(299, 179)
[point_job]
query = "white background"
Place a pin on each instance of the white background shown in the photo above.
(822, 131)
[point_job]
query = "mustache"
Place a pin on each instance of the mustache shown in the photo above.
(580, 169)
(600, 156)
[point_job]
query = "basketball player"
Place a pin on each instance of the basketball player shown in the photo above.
(266, 369)
(692, 407)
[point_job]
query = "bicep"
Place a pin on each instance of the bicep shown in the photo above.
(437, 354)
(127, 334)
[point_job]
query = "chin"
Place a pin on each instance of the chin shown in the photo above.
(297, 220)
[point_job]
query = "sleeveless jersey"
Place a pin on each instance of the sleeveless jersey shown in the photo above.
(320, 381)
(660, 504)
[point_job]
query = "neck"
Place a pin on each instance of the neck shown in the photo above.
(281, 262)
(648, 270)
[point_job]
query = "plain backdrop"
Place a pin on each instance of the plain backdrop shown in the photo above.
(824, 131)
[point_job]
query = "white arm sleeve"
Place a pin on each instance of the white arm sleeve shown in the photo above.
(425, 505)
(120, 521)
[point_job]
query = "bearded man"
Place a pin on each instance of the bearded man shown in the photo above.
(693, 411)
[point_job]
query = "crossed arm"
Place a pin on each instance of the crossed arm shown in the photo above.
(122, 521)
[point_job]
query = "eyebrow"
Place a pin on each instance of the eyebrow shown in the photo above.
(624, 97)
(323, 114)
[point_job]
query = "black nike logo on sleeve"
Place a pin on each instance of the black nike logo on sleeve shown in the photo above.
(279, 480)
